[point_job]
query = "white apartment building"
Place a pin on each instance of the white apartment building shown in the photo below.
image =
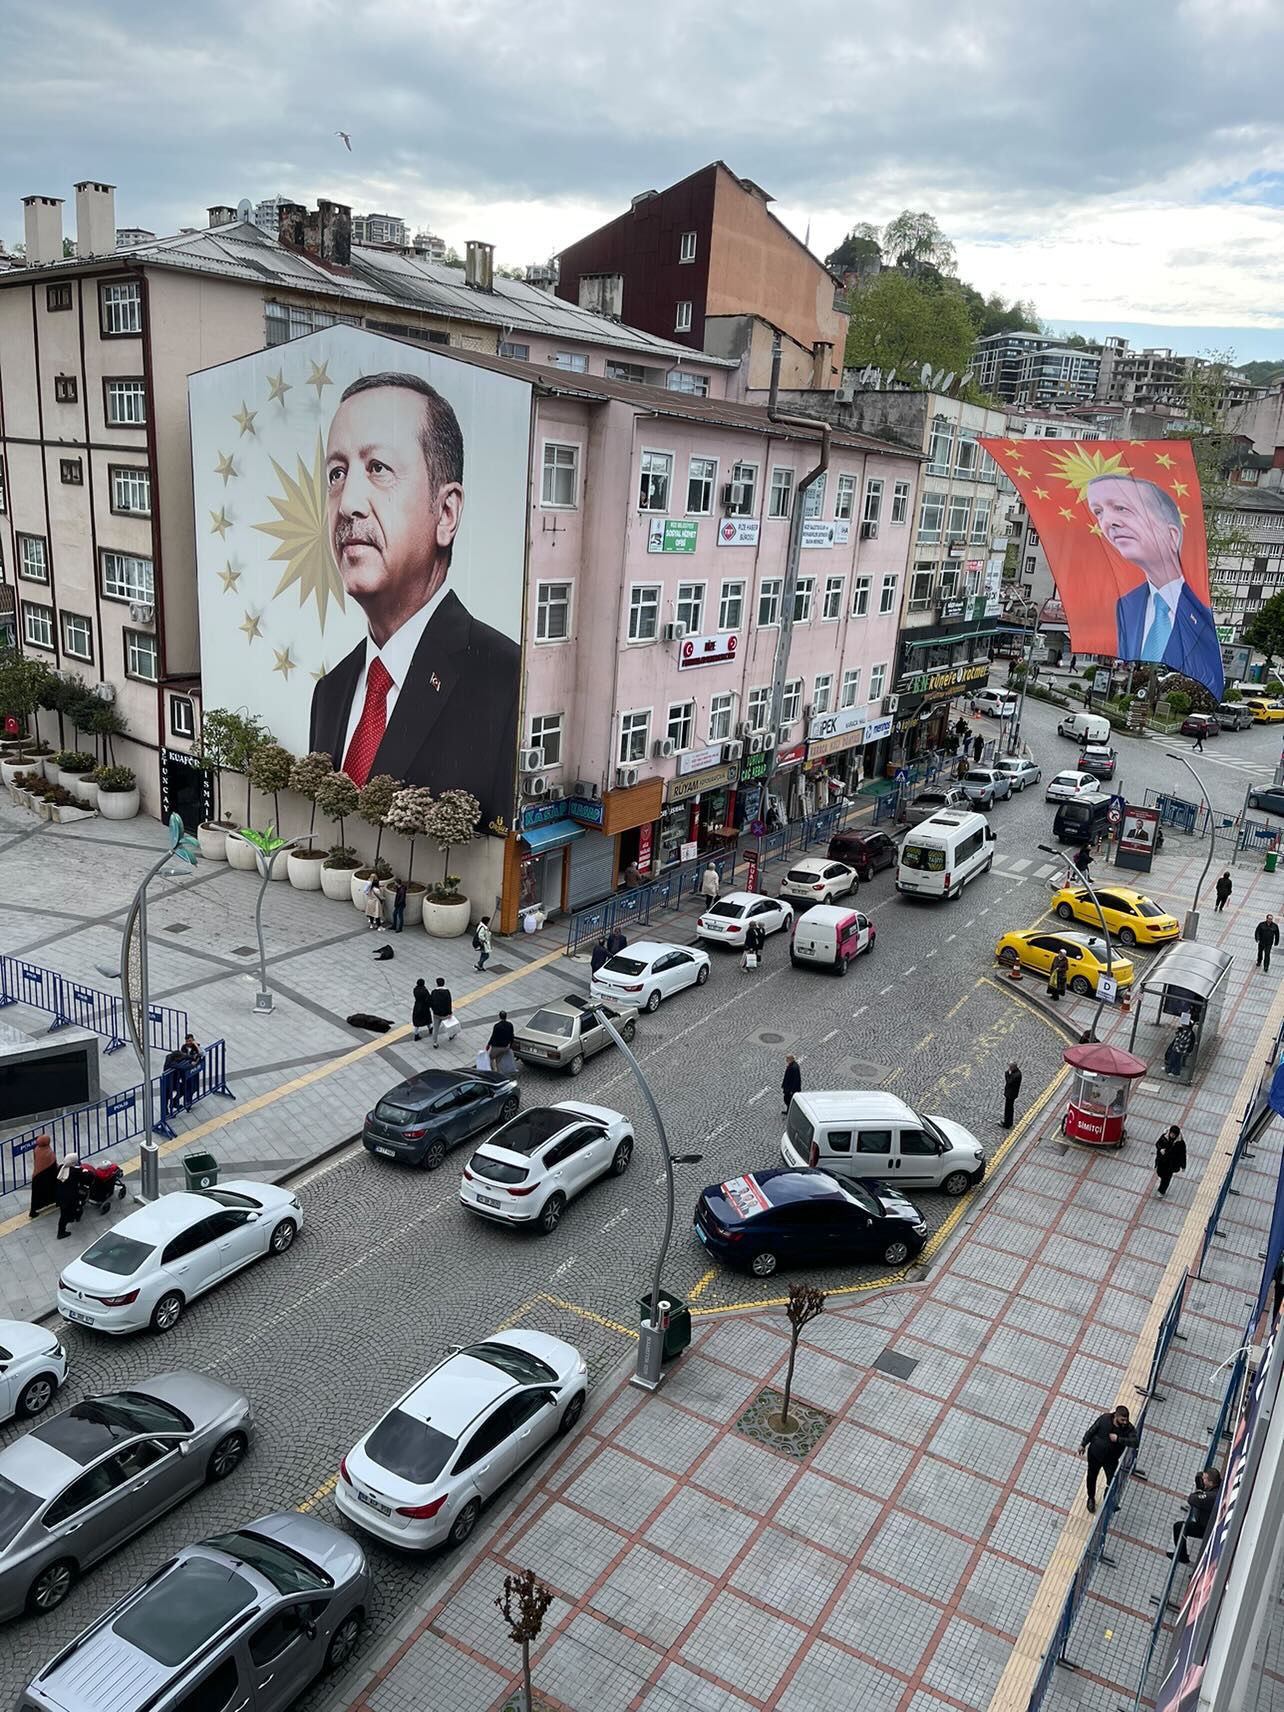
(387, 229)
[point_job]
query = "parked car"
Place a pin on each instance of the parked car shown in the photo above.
(866, 1133)
(928, 803)
(644, 973)
(819, 880)
(145, 1270)
(527, 1171)
(1264, 710)
(246, 1618)
(1019, 770)
(566, 1031)
(1268, 797)
(422, 1473)
(1131, 917)
(1000, 704)
(1086, 953)
(86, 1480)
(727, 921)
(1097, 759)
(984, 786)
(1201, 725)
(422, 1118)
(33, 1364)
(766, 1219)
(1234, 715)
(1064, 787)
(867, 852)
(832, 935)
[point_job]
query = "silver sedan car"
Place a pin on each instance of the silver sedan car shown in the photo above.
(83, 1482)
(564, 1032)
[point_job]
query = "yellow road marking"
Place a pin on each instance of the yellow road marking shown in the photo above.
(957, 1006)
(701, 1285)
(323, 1491)
(588, 1314)
(922, 1043)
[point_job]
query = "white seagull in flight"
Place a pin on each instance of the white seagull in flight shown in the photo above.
(347, 140)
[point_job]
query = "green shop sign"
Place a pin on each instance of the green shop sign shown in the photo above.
(668, 535)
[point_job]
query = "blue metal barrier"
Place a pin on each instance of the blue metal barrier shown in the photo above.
(1256, 835)
(1173, 811)
(71, 1002)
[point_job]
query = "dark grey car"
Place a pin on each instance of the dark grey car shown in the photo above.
(420, 1120)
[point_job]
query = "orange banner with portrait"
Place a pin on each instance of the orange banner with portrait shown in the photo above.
(1122, 523)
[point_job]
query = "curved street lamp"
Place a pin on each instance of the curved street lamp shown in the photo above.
(1049, 850)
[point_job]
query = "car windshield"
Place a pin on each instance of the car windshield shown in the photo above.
(518, 1364)
(413, 1450)
(182, 1611)
(1150, 908)
(288, 1571)
(117, 1254)
(497, 1170)
(726, 907)
(552, 1022)
(861, 1196)
(924, 856)
(17, 1507)
(625, 966)
(392, 1113)
(95, 1424)
(978, 777)
(800, 1130)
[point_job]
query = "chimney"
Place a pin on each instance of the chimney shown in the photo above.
(603, 293)
(290, 218)
(479, 265)
(221, 215)
(327, 234)
(95, 218)
(42, 229)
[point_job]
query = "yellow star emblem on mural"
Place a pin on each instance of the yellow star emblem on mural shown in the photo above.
(219, 521)
(320, 672)
(1093, 529)
(1078, 467)
(1041, 493)
(250, 628)
(278, 386)
(284, 664)
(1163, 460)
(229, 579)
(244, 417)
(224, 467)
(318, 378)
(304, 534)
(1020, 470)
(1180, 488)
(1066, 512)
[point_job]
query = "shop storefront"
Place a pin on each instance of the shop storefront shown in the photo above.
(878, 747)
(751, 788)
(923, 711)
(697, 807)
(787, 783)
(558, 856)
(833, 766)
(628, 831)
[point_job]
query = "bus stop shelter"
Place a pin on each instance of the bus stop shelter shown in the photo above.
(1179, 1007)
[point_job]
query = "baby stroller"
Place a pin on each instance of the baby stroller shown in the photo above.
(101, 1184)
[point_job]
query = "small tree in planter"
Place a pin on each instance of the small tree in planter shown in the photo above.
(22, 682)
(452, 820)
(373, 804)
(407, 815)
(270, 768)
(337, 799)
(212, 752)
(248, 734)
(524, 1603)
(105, 724)
(803, 1307)
(307, 775)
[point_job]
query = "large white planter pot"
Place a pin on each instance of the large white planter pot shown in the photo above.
(239, 854)
(414, 901)
(213, 842)
(9, 770)
(82, 787)
(279, 870)
(446, 921)
(304, 872)
(53, 773)
(118, 805)
(336, 883)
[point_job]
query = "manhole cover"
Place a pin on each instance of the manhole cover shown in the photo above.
(864, 1070)
(895, 1366)
(178, 927)
(771, 1039)
(243, 951)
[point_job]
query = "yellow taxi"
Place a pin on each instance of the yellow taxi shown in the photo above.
(1264, 712)
(1131, 917)
(1085, 956)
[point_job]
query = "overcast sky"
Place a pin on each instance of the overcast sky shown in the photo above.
(1116, 162)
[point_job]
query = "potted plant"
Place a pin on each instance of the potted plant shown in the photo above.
(452, 820)
(336, 872)
(265, 845)
(211, 756)
(408, 815)
(373, 802)
(270, 767)
(117, 793)
(337, 799)
(17, 761)
(23, 681)
(75, 767)
(307, 775)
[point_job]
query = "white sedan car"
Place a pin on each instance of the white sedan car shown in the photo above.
(145, 1270)
(526, 1172)
(727, 921)
(423, 1473)
(33, 1364)
(643, 974)
(1065, 787)
(819, 880)
(1019, 770)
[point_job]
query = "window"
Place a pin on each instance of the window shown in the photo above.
(731, 604)
(758, 709)
(657, 473)
(921, 580)
(546, 735)
(689, 608)
(213, 1692)
(644, 612)
(682, 318)
(575, 361)
(71, 472)
(814, 499)
(514, 352)
(127, 578)
(687, 247)
(833, 604)
(77, 636)
(1031, 565)
(887, 595)
(938, 450)
(981, 519)
(949, 579)
(860, 597)
(141, 656)
(822, 693)
(900, 502)
(122, 309)
(280, 1631)
(681, 724)
(552, 612)
(781, 500)
(769, 602)
(57, 297)
(965, 459)
(802, 599)
(126, 403)
(744, 490)
(66, 391)
(561, 476)
(131, 490)
(722, 708)
(635, 733)
(845, 498)
(702, 479)
(851, 687)
(960, 516)
(182, 713)
(682, 380)
(37, 625)
(33, 558)
(877, 681)
(283, 321)
(931, 515)
(626, 371)
(873, 501)
(791, 705)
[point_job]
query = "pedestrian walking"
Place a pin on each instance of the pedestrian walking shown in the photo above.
(1057, 977)
(1201, 1506)
(1179, 1047)
(1197, 748)
(1011, 1090)
(1267, 935)
(978, 747)
(171, 1082)
(420, 1008)
(442, 1006)
(373, 904)
(615, 942)
(1105, 1441)
(481, 942)
(499, 1047)
(1083, 860)
(399, 906)
(44, 1175)
(67, 1193)
(790, 1083)
(600, 955)
(1170, 1156)
(1225, 886)
(710, 884)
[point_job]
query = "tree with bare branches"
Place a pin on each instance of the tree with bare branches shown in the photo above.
(523, 1603)
(803, 1306)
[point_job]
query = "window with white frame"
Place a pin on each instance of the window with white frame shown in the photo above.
(887, 594)
(681, 724)
(33, 558)
(561, 484)
(781, 499)
(142, 656)
(131, 491)
(877, 681)
(981, 518)
(546, 736)
(702, 481)
(635, 735)
(960, 516)
(126, 403)
(769, 602)
(37, 624)
(921, 580)
(516, 353)
(687, 247)
(744, 490)
(683, 380)
(758, 707)
(552, 612)
(731, 604)
(965, 457)
(574, 361)
(833, 604)
(688, 609)
(722, 708)
(182, 716)
(873, 509)
(77, 635)
(804, 588)
(122, 308)
(939, 445)
(860, 597)
(900, 502)
(822, 693)
(125, 577)
(931, 515)
(657, 474)
(814, 498)
(644, 612)
(851, 687)
(950, 578)
(791, 704)
(845, 498)
(682, 318)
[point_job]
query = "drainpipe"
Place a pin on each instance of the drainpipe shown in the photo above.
(794, 552)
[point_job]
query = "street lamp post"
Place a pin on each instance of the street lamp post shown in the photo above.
(1190, 928)
(267, 861)
(1050, 850)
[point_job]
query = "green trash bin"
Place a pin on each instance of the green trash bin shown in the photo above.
(1272, 861)
(678, 1332)
(200, 1170)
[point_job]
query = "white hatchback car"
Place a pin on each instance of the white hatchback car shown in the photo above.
(819, 880)
(1019, 770)
(423, 1473)
(145, 1270)
(727, 921)
(526, 1172)
(643, 974)
(1064, 787)
(33, 1364)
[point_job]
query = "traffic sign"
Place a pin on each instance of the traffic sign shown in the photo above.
(1107, 989)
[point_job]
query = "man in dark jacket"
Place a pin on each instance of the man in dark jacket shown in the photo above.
(441, 1005)
(500, 1044)
(1105, 1442)
(421, 1010)
(600, 955)
(1170, 1156)
(1267, 935)
(978, 747)
(1225, 886)
(1011, 1088)
(790, 1083)
(1201, 1506)
(1057, 976)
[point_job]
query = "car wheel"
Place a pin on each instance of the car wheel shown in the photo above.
(629, 1030)
(652, 1000)
(703, 975)
(1127, 936)
(896, 1254)
(1065, 912)
(571, 1413)
(793, 961)
(465, 1522)
(343, 1642)
(551, 1216)
(434, 1155)
(956, 1183)
(226, 1456)
(842, 964)
(37, 1394)
(51, 1586)
(283, 1236)
(1082, 985)
(165, 1314)
(576, 1065)
(508, 1109)
(621, 1157)
(764, 1264)
(1007, 956)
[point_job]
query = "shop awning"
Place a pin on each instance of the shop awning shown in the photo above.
(551, 837)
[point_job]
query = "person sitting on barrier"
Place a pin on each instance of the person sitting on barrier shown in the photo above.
(1201, 1506)
(1105, 1441)
(192, 1059)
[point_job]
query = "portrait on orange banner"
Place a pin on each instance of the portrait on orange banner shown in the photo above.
(1122, 524)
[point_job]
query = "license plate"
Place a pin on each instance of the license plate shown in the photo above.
(390, 1152)
(77, 1316)
(374, 1504)
(703, 1238)
(486, 1201)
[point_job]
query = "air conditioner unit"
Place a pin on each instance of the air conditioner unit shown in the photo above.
(735, 493)
(869, 532)
(808, 710)
(673, 632)
(588, 790)
(891, 703)
(626, 777)
(662, 748)
(845, 394)
(105, 692)
(742, 728)
(769, 740)
(531, 760)
(756, 743)
(535, 785)
(732, 751)
(141, 613)
(781, 736)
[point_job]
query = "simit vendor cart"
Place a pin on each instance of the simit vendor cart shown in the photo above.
(1103, 1078)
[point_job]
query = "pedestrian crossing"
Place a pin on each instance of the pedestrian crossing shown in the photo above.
(1024, 868)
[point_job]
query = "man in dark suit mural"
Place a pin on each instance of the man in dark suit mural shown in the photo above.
(430, 695)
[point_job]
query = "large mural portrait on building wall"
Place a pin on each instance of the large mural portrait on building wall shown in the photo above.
(1122, 523)
(360, 527)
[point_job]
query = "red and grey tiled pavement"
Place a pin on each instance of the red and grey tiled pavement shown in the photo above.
(892, 1568)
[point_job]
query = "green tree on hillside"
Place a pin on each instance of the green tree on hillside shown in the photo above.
(898, 323)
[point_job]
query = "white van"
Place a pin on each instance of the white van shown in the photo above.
(865, 1133)
(1085, 728)
(942, 854)
(832, 935)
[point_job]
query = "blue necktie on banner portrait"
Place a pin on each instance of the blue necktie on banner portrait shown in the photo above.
(1158, 632)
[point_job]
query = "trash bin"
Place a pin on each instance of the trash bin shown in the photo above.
(200, 1170)
(1272, 860)
(677, 1334)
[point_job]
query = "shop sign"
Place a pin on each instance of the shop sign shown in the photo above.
(708, 650)
(688, 852)
(971, 564)
(992, 606)
(836, 745)
(790, 757)
(587, 810)
(879, 729)
(644, 849)
(939, 686)
(698, 760)
(544, 814)
(671, 535)
(835, 723)
(738, 532)
(842, 533)
(682, 790)
(952, 609)
(817, 533)
(754, 768)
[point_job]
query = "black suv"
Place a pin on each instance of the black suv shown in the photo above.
(867, 852)
(419, 1121)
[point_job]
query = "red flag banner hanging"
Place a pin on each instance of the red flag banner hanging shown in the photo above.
(1122, 524)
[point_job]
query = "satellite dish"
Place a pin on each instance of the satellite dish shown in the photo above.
(245, 210)
(949, 381)
(937, 378)
(925, 373)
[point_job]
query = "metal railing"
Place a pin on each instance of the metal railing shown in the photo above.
(1174, 811)
(73, 1003)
